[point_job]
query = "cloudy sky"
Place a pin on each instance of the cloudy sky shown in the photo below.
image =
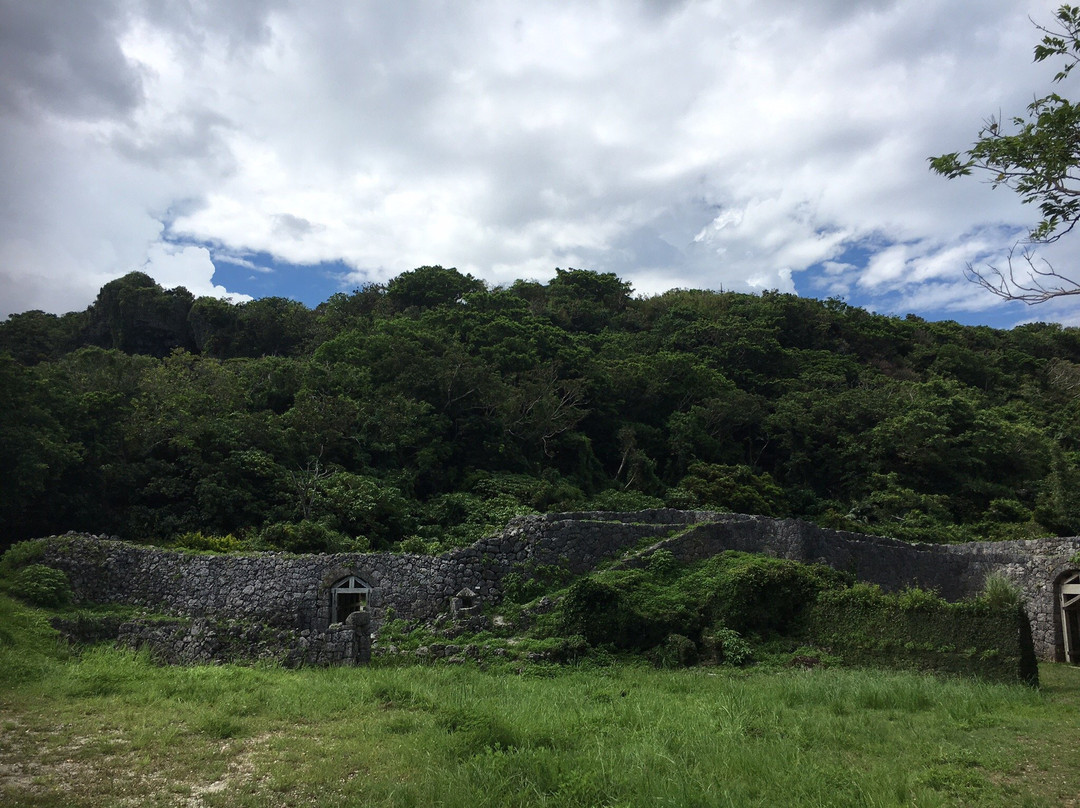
(300, 147)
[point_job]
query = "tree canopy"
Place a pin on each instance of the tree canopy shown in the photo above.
(426, 412)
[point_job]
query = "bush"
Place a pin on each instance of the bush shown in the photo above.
(713, 604)
(999, 592)
(726, 647)
(676, 651)
(915, 599)
(1007, 510)
(529, 581)
(865, 626)
(601, 613)
(759, 594)
(614, 499)
(213, 544)
(308, 536)
(20, 554)
(41, 585)
(570, 649)
(419, 546)
(663, 564)
(728, 488)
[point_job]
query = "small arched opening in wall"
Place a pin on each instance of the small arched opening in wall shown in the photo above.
(348, 595)
(1067, 614)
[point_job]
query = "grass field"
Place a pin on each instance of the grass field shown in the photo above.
(109, 728)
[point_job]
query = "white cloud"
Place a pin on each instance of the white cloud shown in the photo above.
(707, 144)
(174, 265)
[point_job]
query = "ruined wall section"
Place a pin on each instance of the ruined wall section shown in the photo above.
(1035, 566)
(890, 563)
(293, 592)
(954, 571)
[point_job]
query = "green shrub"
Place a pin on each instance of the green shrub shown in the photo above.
(859, 594)
(614, 499)
(913, 599)
(529, 581)
(865, 626)
(713, 603)
(728, 488)
(663, 564)
(601, 613)
(724, 646)
(419, 546)
(570, 649)
(20, 554)
(308, 536)
(197, 540)
(758, 594)
(676, 651)
(1007, 510)
(41, 585)
(999, 592)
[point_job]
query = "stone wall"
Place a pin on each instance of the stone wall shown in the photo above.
(292, 593)
(187, 641)
(954, 571)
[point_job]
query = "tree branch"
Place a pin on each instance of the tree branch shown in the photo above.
(1030, 283)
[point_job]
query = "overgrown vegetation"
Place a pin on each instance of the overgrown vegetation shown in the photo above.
(41, 585)
(425, 413)
(989, 637)
(732, 610)
(638, 609)
(109, 727)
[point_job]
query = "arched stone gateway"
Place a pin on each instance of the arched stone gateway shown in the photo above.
(1067, 601)
(348, 595)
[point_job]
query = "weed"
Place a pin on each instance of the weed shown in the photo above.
(20, 554)
(41, 585)
(999, 592)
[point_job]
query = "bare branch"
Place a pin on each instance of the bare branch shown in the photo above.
(1035, 281)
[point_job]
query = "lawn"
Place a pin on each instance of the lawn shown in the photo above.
(109, 728)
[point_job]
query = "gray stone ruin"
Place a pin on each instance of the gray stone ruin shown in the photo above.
(465, 603)
(328, 609)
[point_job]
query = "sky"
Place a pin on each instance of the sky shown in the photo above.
(306, 147)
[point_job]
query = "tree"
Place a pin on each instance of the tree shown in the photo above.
(34, 336)
(214, 325)
(583, 300)
(137, 316)
(426, 287)
(1040, 161)
(35, 447)
(272, 326)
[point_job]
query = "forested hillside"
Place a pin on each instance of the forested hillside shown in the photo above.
(427, 411)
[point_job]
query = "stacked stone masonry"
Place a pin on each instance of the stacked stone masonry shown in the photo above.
(292, 595)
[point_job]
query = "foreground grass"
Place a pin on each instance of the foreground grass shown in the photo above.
(110, 728)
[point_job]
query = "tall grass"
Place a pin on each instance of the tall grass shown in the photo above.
(110, 727)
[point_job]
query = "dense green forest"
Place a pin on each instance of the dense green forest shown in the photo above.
(424, 412)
